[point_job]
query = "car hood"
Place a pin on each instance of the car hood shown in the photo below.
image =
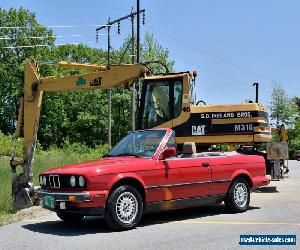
(107, 165)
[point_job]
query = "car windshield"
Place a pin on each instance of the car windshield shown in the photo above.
(138, 144)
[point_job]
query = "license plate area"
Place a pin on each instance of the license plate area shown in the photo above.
(48, 202)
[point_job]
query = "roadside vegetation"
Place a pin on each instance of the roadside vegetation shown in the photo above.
(286, 110)
(52, 157)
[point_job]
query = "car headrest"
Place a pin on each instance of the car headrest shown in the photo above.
(189, 148)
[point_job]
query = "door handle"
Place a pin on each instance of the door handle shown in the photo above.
(205, 164)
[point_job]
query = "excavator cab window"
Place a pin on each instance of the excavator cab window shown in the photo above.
(161, 102)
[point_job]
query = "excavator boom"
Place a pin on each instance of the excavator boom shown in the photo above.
(101, 76)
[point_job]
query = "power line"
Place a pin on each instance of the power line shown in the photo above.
(271, 81)
(39, 45)
(55, 26)
(227, 90)
(25, 46)
(215, 57)
(219, 93)
(98, 6)
(233, 88)
(227, 84)
(45, 37)
(211, 91)
(213, 71)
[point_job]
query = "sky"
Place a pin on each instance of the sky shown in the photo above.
(231, 44)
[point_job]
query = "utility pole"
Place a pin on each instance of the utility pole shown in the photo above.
(138, 31)
(138, 44)
(133, 97)
(108, 27)
(256, 84)
(109, 91)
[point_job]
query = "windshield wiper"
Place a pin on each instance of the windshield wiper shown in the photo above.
(128, 154)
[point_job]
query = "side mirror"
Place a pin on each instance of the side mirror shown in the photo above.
(167, 153)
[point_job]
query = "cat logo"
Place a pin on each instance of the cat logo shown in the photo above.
(198, 130)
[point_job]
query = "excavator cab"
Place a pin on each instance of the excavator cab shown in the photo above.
(161, 100)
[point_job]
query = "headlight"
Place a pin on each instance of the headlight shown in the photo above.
(72, 181)
(41, 180)
(81, 181)
(44, 180)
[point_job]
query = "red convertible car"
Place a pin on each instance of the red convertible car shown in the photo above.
(143, 173)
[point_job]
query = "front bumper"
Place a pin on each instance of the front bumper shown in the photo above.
(62, 196)
(82, 203)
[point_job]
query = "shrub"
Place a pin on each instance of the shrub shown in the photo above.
(7, 143)
(44, 159)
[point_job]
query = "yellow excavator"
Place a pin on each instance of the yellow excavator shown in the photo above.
(167, 100)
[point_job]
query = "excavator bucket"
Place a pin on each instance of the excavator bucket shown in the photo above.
(21, 194)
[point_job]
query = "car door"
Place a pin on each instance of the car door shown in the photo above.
(222, 168)
(184, 177)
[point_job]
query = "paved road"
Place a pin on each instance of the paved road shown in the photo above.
(271, 212)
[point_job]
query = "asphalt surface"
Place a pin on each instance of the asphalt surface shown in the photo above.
(274, 210)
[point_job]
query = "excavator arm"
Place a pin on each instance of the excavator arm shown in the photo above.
(101, 76)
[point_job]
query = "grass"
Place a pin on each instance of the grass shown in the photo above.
(44, 159)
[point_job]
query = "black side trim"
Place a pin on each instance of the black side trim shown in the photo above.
(180, 184)
(221, 181)
(182, 203)
(188, 184)
(152, 187)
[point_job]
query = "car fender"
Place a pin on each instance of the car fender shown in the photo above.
(241, 172)
(119, 177)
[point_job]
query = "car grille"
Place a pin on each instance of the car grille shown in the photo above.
(54, 181)
(57, 181)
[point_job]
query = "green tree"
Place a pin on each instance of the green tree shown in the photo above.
(151, 51)
(65, 116)
(13, 57)
(82, 116)
(294, 132)
(296, 100)
(73, 116)
(283, 109)
(294, 138)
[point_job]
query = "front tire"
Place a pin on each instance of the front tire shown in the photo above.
(238, 197)
(70, 218)
(124, 208)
